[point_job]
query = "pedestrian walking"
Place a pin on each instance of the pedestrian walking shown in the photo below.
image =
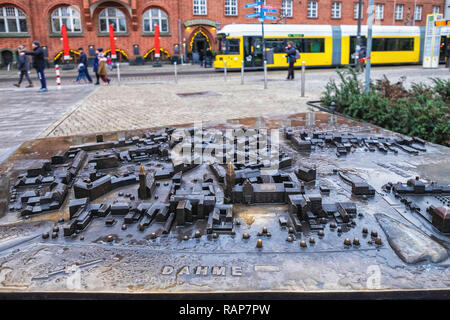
(362, 58)
(103, 67)
(38, 63)
(109, 62)
(84, 61)
(81, 74)
(209, 57)
(202, 57)
(447, 56)
(95, 66)
(292, 55)
(23, 64)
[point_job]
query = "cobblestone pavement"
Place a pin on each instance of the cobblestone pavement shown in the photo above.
(26, 113)
(133, 106)
(143, 102)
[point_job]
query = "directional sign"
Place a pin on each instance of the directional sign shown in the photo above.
(254, 4)
(269, 17)
(268, 6)
(269, 10)
(253, 15)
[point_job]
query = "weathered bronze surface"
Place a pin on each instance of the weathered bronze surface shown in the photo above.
(340, 215)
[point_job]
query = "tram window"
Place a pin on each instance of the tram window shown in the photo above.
(233, 46)
(393, 44)
(298, 43)
(314, 45)
(378, 44)
(405, 44)
(277, 45)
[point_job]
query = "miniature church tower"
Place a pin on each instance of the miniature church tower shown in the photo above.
(146, 184)
(230, 180)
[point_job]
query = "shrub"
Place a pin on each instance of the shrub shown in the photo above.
(422, 111)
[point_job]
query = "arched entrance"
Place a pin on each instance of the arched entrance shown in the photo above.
(7, 58)
(150, 55)
(122, 56)
(59, 57)
(199, 43)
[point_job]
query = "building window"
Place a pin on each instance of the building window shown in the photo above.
(336, 10)
(418, 13)
(436, 9)
(200, 7)
(154, 17)
(12, 20)
(286, 8)
(379, 12)
(399, 12)
(231, 8)
(355, 11)
(112, 16)
(257, 8)
(67, 16)
(312, 9)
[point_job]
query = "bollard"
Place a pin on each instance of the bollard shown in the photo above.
(242, 72)
(9, 67)
(58, 77)
(303, 79)
(225, 70)
(176, 71)
(118, 73)
(265, 74)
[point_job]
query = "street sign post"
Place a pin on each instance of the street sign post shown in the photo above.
(268, 10)
(254, 4)
(262, 15)
(253, 15)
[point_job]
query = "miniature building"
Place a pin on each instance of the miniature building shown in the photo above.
(306, 174)
(441, 218)
(362, 188)
(146, 184)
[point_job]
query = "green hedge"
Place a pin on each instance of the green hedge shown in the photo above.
(422, 111)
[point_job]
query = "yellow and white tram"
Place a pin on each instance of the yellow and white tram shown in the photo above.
(319, 45)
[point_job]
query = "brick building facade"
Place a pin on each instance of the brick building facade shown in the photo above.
(191, 23)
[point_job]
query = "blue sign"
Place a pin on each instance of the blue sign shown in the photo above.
(253, 15)
(269, 10)
(254, 4)
(268, 17)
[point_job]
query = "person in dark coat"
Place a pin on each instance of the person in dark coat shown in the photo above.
(362, 57)
(209, 57)
(447, 56)
(202, 57)
(95, 66)
(84, 61)
(38, 63)
(23, 64)
(291, 53)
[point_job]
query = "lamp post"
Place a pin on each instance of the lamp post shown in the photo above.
(369, 45)
(358, 37)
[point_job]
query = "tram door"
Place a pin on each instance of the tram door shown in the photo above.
(353, 48)
(445, 41)
(253, 52)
